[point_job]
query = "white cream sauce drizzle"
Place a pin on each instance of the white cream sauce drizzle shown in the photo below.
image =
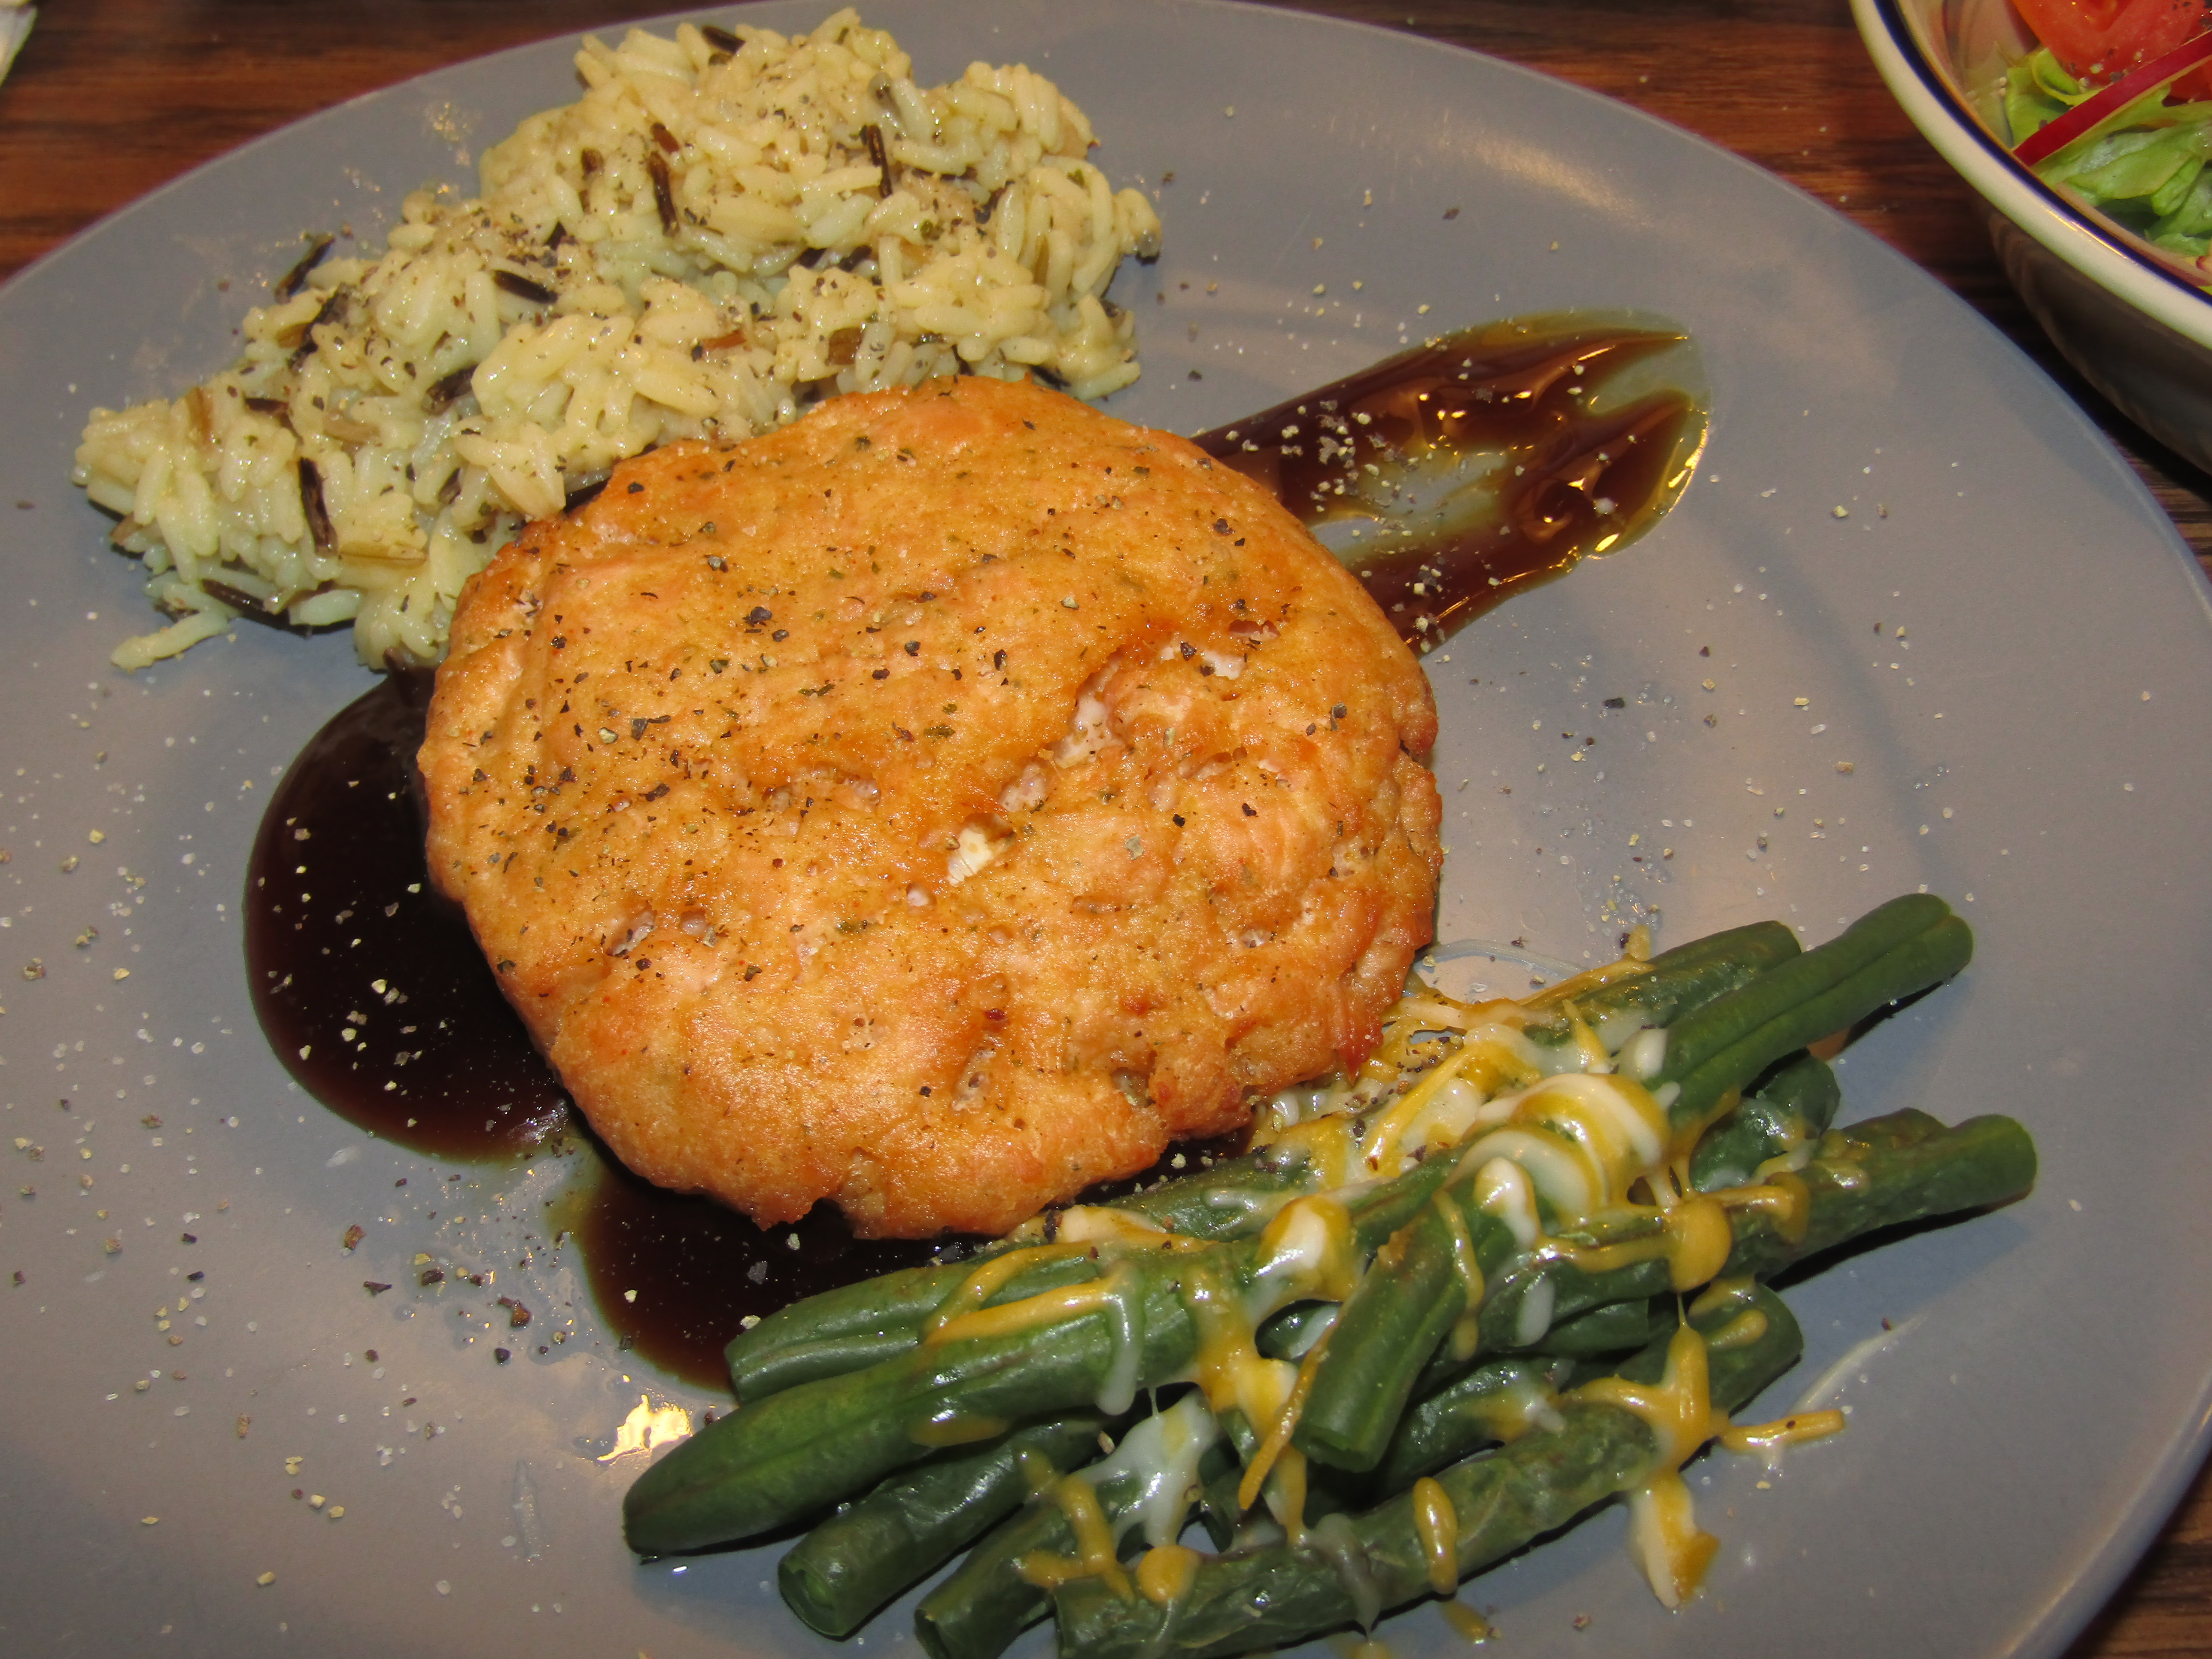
(1644, 1054)
(1533, 1317)
(1340, 1545)
(1502, 1189)
(1094, 1224)
(1163, 1453)
(1124, 1301)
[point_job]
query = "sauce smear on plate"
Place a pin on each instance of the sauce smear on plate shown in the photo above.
(366, 981)
(1484, 462)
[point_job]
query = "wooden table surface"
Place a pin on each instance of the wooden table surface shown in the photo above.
(110, 98)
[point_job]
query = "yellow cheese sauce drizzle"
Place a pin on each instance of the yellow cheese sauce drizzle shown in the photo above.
(1552, 1136)
(1741, 1332)
(952, 1430)
(1635, 958)
(1305, 1253)
(1382, 1140)
(1782, 1194)
(1165, 1573)
(1287, 1422)
(1038, 1474)
(1794, 1430)
(1436, 1524)
(1011, 1318)
(1470, 1625)
(1491, 1056)
(1511, 1412)
(1663, 1534)
(1094, 1556)
(1664, 1538)
(1693, 1234)
(1228, 1367)
(1490, 1059)
(1096, 1224)
(1327, 1143)
(1466, 1331)
(1693, 1238)
(988, 1279)
(1117, 1292)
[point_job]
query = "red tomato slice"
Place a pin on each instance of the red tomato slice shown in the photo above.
(2098, 39)
(2132, 91)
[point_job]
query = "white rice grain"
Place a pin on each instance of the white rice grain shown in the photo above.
(721, 249)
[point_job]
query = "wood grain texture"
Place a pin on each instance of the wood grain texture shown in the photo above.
(111, 98)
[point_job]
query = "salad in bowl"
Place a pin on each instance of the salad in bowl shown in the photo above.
(2084, 126)
(2114, 104)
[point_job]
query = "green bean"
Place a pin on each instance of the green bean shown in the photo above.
(1417, 1289)
(986, 1601)
(1499, 1400)
(1502, 1398)
(1349, 1571)
(1891, 952)
(802, 1449)
(837, 1576)
(1674, 981)
(1877, 1173)
(857, 1325)
(1791, 1110)
(1886, 1172)
(1615, 1328)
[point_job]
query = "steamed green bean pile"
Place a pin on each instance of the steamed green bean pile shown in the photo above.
(1513, 1269)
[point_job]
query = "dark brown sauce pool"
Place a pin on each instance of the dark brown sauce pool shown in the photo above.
(367, 982)
(1485, 462)
(372, 992)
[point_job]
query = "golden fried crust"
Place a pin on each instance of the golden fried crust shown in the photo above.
(936, 805)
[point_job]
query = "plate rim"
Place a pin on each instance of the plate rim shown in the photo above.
(2072, 1605)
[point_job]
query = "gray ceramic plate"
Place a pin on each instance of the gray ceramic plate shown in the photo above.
(1951, 641)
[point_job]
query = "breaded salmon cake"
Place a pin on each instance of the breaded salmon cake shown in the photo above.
(936, 806)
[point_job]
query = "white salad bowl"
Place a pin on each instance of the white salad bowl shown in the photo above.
(2137, 332)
